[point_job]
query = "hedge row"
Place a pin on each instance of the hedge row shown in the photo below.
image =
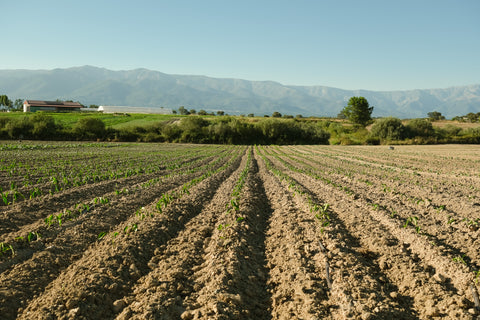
(224, 130)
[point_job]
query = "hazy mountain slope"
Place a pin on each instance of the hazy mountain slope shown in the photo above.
(142, 87)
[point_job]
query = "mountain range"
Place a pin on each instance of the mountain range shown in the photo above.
(147, 88)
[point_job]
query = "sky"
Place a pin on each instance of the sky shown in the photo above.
(348, 44)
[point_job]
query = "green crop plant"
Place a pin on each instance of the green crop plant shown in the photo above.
(222, 227)
(101, 235)
(450, 220)
(5, 248)
(460, 259)
(140, 214)
(33, 236)
(5, 198)
(114, 235)
(35, 193)
(476, 275)
(100, 200)
(413, 220)
(165, 199)
(49, 220)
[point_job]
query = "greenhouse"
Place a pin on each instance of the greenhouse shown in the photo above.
(127, 109)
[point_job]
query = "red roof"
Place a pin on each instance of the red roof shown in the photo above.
(57, 104)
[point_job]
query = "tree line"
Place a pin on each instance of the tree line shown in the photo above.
(277, 129)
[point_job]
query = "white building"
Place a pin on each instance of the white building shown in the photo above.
(127, 109)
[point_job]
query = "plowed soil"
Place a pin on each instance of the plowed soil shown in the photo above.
(290, 232)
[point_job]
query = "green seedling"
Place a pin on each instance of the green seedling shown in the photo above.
(460, 259)
(17, 195)
(101, 235)
(5, 248)
(114, 235)
(49, 220)
(223, 227)
(476, 275)
(450, 220)
(35, 193)
(33, 236)
(413, 220)
(5, 198)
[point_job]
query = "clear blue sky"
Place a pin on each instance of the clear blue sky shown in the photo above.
(373, 45)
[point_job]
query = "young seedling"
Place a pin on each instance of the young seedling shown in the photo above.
(5, 247)
(33, 236)
(460, 259)
(476, 275)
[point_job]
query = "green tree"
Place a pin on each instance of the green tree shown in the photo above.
(435, 115)
(202, 113)
(5, 102)
(220, 112)
(18, 104)
(183, 111)
(276, 114)
(358, 111)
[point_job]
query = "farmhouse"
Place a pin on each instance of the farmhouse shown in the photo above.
(126, 109)
(54, 106)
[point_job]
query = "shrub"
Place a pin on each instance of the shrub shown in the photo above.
(43, 126)
(18, 128)
(89, 129)
(420, 128)
(388, 129)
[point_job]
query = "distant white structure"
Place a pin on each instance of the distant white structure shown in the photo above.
(126, 109)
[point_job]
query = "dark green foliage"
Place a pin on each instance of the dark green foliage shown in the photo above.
(435, 115)
(4, 101)
(18, 104)
(388, 129)
(43, 126)
(358, 111)
(18, 128)
(420, 128)
(183, 111)
(89, 129)
(469, 117)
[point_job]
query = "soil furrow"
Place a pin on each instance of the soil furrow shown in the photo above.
(422, 275)
(115, 264)
(162, 291)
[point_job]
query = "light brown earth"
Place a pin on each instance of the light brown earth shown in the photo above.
(302, 210)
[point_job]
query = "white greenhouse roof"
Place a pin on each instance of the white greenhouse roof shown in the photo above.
(127, 109)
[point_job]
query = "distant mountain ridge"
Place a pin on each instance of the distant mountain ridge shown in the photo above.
(147, 88)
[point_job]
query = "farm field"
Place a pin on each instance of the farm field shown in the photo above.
(178, 231)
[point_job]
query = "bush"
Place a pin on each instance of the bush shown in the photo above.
(388, 129)
(89, 129)
(43, 126)
(420, 128)
(18, 128)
